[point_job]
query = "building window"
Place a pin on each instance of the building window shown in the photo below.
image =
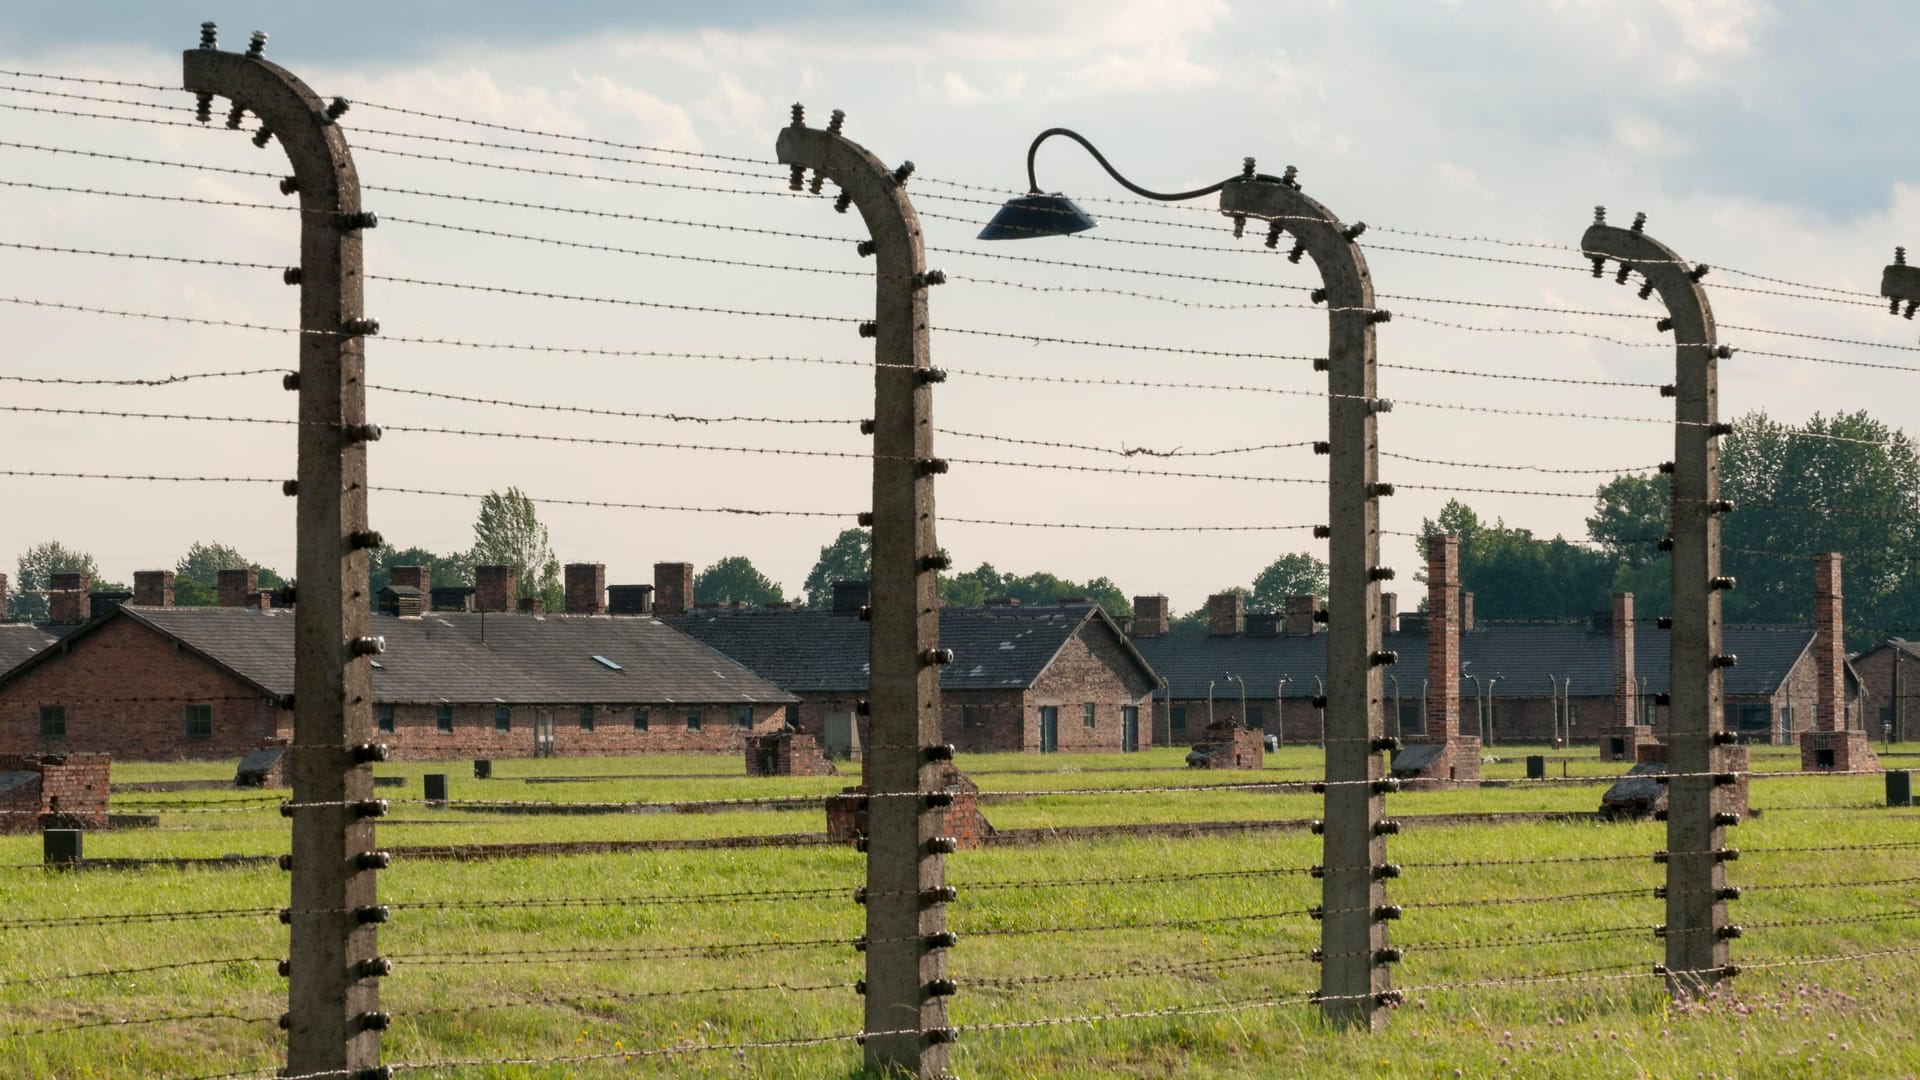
(1177, 718)
(586, 718)
(793, 716)
(502, 718)
(1086, 714)
(53, 721)
(199, 720)
(693, 719)
(969, 716)
(641, 715)
(383, 716)
(443, 718)
(743, 715)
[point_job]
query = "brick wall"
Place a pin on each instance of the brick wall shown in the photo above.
(417, 736)
(786, 753)
(1882, 703)
(153, 588)
(71, 792)
(121, 660)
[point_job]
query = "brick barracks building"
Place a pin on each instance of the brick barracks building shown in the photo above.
(1601, 673)
(144, 679)
(1038, 679)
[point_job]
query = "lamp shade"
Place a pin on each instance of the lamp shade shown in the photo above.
(1034, 215)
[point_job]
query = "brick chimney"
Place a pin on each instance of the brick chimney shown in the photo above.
(1466, 612)
(239, 588)
(494, 587)
(629, 599)
(153, 588)
(586, 588)
(1389, 612)
(850, 596)
(1443, 638)
(1829, 645)
(532, 605)
(1152, 616)
(67, 602)
(672, 588)
(1226, 614)
(1300, 611)
(411, 577)
(1626, 710)
(3, 598)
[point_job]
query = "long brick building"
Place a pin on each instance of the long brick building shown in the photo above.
(1039, 679)
(1601, 673)
(154, 681)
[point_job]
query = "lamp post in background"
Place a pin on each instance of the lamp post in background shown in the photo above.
(1243, 696)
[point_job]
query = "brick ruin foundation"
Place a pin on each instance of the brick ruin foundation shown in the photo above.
(53, 791)
(786, 753)
(847, 811)
(1225, 744)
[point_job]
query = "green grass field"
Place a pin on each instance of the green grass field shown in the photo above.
(687, 949)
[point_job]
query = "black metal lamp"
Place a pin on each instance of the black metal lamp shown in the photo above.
(1039, 213)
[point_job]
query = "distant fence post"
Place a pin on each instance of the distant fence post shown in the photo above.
(1355, 984)
(1696, 929)
(906, 940)
(333, 1020)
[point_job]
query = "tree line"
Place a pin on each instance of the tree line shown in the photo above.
(1845, 483)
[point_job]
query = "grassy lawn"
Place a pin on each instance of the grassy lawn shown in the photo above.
(689, 948)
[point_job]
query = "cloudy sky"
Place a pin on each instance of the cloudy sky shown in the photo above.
(1758, 137)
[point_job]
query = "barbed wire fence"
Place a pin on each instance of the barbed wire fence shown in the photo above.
(868, 936)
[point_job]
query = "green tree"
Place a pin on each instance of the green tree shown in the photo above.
(34, 573)
(1845, 483)
(983, 583)
(1516, 575)
(1630, 514)
(1195, 621)
(508, 532)
(1293, 574)
(196, 581)
(848, 558)
(735, 578)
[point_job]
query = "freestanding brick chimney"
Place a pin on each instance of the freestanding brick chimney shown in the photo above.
(3, 598)
(1389, 612)
(1626, 696)
(1226, 614)
(672, 589)
(494, 587)
(239, 588)
(1466, 612)
(1829, 648)
(1300, 611)
(1443, 638)
(153, 588)
(586, 588)
(67, 603)
(1832, 745)
(1151, 616)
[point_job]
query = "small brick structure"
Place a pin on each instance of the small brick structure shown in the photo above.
(786, 753)
(263, 768)
(1640, 794)
(1625, 743)
(1837, 751)
(847, 811)
(1225, 744)
(53, 791)
(1442, 755)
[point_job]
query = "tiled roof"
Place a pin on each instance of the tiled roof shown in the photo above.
(466, 657)
(19, 641)
(1523, 657)
(810, 650)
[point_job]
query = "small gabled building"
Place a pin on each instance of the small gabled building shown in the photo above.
(163, 682)
(1039, 678)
